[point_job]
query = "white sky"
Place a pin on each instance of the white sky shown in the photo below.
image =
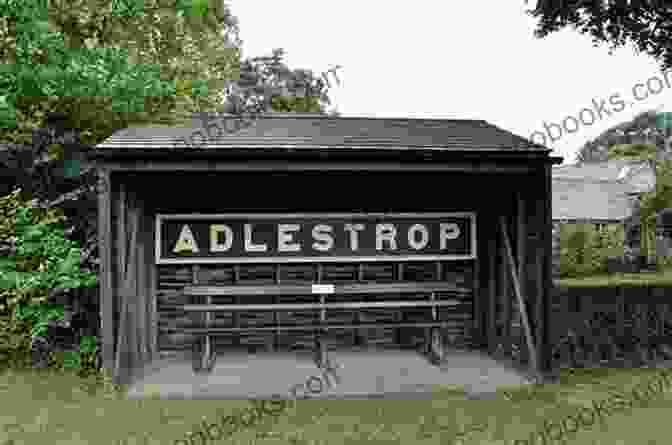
(475, 59)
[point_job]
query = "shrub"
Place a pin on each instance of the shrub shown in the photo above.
(11, 208)
(41, 260)
(15, 343)
(84, 360)
(584, 250)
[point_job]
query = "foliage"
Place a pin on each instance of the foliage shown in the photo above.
(15, 220)
(40, 169)
(267, 82)
(42, 241)
(43, 260)
(643, 129)
(584, 250)
(661, 278)
(82, 59)
(39, 316)
(644, 25)
(657, 200)
(651, 202)
(15, 342)
(83, 360)
(296, 104)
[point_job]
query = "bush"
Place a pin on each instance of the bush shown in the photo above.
(11, 207)
(40, 260)
(584, 250)
(15, 343)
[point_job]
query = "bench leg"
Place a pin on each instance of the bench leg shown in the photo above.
(436, 346)
(321, 351)
(204, 357)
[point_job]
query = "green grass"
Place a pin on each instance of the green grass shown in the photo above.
(49, 408)
(659, 278)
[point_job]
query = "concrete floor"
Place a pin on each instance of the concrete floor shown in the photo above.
(359, 374)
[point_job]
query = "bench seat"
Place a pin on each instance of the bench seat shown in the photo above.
(204, 356)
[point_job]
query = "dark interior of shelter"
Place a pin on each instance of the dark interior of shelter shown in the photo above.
(320, 192)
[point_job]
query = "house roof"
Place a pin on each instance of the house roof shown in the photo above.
(293, 131)
(636, 173)
(579, 199)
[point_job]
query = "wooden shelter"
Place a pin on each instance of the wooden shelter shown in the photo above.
(333, 205)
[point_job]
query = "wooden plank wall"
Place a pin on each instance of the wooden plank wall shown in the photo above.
(171, 278)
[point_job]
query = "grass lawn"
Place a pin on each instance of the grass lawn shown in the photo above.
(46, 408)
(660, 278)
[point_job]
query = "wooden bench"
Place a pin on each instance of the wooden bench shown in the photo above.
(203, 353)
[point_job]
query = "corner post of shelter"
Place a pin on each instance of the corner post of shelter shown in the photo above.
(107, 297)
(492, 263)
(128, 343)
(545, 272)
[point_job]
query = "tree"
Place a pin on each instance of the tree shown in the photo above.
(45, 143)
(266, 81)
(82, 58)
(644, 24)
(646, 210)
(645, 128)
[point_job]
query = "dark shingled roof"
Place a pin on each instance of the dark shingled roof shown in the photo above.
(314, 132)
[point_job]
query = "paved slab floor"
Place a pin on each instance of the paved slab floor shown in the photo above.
(357, 374)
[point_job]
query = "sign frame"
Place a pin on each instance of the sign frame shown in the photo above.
(160, 217)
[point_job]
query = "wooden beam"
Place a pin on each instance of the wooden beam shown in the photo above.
(318, 327)
(120, 263)
(121, 289)
(521, 246)
(106, 283)
(476, 325)
(131, 285)
(492, 289)
(231, 166)
(547, 280)
(142, 270)
(315, 306)
(521, 304)
(152, 317)
(307, 289)
(505, 299)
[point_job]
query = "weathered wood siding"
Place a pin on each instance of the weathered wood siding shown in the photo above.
(171, 279)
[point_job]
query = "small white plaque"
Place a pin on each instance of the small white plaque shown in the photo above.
(323, 288)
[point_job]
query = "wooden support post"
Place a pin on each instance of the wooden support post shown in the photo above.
(358, 338)
(152, 318)
(539, 303)
(505, 302)
(545, 298)
(474, 329)
(236, 299)
(142, 265)
(492, 294)
(321, 346)
(402, 315)
(276, 318)
(204, 354)
(126, 292)
(521, 303)
(107, 296)
(521, 251)
(435, 344)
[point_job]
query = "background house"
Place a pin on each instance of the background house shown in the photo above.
(599, 193)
